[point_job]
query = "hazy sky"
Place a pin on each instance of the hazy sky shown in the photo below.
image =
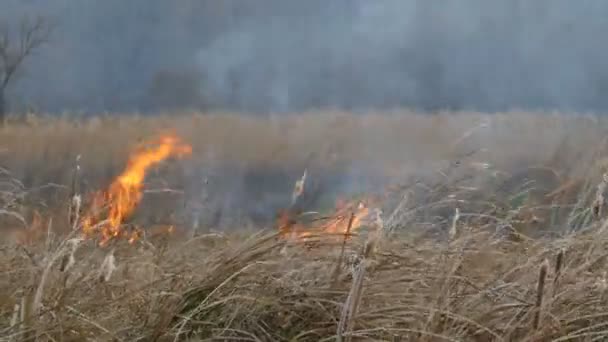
(292, 55)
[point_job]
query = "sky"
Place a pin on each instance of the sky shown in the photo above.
(295, 55)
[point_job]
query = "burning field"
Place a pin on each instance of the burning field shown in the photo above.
(323, 227)
(126, 192)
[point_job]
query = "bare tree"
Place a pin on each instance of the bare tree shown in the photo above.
(15, 49)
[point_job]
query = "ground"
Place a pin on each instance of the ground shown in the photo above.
(487, 227)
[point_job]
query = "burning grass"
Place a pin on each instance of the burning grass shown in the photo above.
(126, 191)
(474, 240)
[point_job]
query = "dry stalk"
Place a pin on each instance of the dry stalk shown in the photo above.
(69, 260)
(540, 289)
(14, 322)
(598, 204)
(559, 263)
(336, 273)
(298, 188)
(27, 312)
(351, 305)
(45, 273)
(601, 285)
(393, 218)
(349, 310)
(453, 231)
(108, 266)
(49, 235)
(74, 208)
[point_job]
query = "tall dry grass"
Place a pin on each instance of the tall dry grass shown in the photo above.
(455, 256)
(216, 287)
(39, 148)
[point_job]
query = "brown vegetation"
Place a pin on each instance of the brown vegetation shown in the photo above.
(492, 228)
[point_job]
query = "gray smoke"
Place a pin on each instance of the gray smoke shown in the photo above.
(293, 55)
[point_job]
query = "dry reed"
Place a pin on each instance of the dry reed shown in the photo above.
(407, 283)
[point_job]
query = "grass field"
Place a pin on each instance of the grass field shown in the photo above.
(488, 228)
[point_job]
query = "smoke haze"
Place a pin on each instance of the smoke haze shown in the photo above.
(148, 55)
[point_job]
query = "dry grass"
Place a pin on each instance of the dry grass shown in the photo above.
(40, 148)
(492, 230)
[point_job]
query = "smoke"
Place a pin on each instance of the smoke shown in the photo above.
(297, 55)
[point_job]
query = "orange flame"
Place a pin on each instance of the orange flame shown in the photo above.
(125, 193)
(338, 224)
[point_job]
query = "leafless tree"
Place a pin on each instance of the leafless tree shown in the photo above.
(15, 49)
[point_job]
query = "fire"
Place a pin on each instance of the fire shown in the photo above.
(125, 192)
(341, 224)
(346, 220)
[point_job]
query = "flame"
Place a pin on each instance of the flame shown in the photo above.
(346, 220)
(125, 192)
(340, 225)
